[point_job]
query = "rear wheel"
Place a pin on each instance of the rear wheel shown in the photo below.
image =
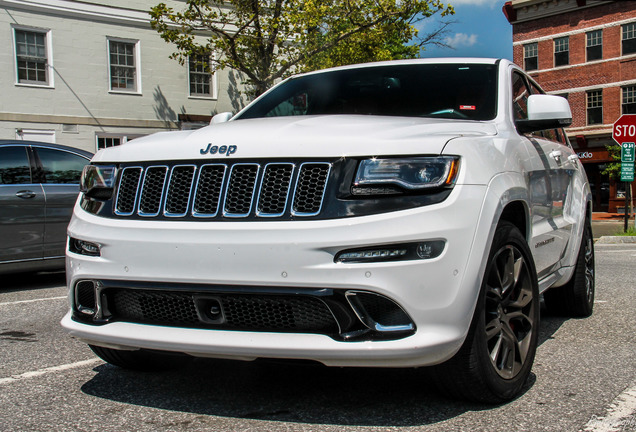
(496, 358)
(576, 298)
(140, 360)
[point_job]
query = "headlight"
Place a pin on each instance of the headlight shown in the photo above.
(412, 174)
(97, 181)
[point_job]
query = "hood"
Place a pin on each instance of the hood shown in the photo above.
(300, 137)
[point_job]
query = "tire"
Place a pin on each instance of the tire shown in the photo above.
(495, 360)
(576, 298)
(140, 360)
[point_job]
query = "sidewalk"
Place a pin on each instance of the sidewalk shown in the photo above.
(600, 216)
(608, 224)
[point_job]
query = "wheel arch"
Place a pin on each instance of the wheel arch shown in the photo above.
(516, 212)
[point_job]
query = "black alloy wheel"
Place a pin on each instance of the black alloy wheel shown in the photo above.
(496, 358)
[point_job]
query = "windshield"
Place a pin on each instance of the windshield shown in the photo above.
(454, 91)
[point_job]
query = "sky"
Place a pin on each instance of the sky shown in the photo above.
(480, 30)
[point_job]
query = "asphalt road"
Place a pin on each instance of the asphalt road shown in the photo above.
(584, 378)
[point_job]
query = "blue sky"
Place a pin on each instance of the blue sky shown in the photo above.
(481, 30)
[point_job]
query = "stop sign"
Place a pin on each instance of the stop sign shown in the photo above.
(625, 129)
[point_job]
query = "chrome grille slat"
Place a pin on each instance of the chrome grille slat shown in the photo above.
(208, 190)
(222, 190)
(127, 191)
(179, 190)
(275, 187)
(310, 188)
(240, 190)
(152, 190)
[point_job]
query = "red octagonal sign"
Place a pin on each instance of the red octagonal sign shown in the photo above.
(625, 129)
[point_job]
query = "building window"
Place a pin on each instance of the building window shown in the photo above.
(594, 45)
(200, 78)
(629, 100)
(561, 51)
(629, 38)
(31, 57)
(595, 107)
(105, 142)
(112, 140)
(531, 56)
(124, 74)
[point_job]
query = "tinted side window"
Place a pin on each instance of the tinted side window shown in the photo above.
(60, 166)
(14, 166)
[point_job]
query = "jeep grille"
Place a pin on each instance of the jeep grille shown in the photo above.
(222, 190)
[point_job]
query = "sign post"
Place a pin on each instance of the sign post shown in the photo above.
(624, 133)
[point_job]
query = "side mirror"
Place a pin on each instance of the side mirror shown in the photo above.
(545, 112)
(221, 118)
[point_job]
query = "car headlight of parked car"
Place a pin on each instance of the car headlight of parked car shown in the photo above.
(97, 181)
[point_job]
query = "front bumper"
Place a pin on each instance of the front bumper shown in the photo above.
(439, 294)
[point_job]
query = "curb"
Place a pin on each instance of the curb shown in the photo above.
(616, 239)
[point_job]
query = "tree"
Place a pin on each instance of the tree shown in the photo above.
(613, 170)
(272, 39)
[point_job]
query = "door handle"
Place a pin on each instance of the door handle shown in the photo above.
(25, 194)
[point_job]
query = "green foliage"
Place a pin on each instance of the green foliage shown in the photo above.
(613, 169)
(631, 231)
(269, 40)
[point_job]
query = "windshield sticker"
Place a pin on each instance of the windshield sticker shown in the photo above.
(467, 107)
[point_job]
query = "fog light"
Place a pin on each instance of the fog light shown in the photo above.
(428, 250)
(400, 252)
(83, 247)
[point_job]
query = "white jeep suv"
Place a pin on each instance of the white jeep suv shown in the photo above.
(393, 214)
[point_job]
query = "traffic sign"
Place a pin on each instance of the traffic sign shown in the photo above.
(627, 152)
(625, 129)
(627, 172)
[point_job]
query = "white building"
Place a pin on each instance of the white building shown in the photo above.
(92, 74)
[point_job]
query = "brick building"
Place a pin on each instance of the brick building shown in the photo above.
(584, 50)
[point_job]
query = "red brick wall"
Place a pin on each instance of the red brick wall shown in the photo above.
(584, 17)
(591, 75)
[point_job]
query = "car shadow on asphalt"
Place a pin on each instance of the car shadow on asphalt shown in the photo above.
(293, 391)
(31, 281)
(283, 392)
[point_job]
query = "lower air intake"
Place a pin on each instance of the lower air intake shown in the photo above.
(250, 312)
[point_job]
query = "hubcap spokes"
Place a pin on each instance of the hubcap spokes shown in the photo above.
(509, 312)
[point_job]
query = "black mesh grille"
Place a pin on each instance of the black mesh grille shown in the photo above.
(240, 191)
(272, 199)
(150, 201)
(241, 311)
(232, 188)
(310, 188)
(173, 309)
(128, 190)
(179, 188)
(85, 294)
(206, 201)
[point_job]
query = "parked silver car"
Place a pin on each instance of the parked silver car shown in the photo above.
(39, 184)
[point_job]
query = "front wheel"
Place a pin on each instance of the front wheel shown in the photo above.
(497, 355)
